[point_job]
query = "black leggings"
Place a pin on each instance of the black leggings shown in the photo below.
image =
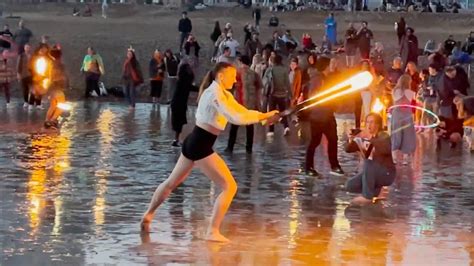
(328, 128)
(198, 144)
(25, 86)
(92, 83)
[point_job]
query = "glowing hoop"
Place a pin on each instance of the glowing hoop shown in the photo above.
(433, 125)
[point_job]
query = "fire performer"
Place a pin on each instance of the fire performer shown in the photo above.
(216, 106)
(41, 63)
(379, 170)
(57, 98)
(322, 121)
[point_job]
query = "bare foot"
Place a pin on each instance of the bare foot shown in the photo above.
(145, 224)
(360, 200)
(216, 237)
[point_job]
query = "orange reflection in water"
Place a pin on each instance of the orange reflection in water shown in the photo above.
(104, 125)
(50, 158)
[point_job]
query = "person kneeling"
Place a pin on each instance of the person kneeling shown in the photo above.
(379, 170)
(451, 130)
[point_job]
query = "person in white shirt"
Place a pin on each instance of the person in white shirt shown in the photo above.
(225, 57)
(216, 107)
(231, 43)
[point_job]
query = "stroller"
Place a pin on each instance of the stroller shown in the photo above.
(468, 46)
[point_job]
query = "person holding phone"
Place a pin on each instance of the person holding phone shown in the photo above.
(379, 170)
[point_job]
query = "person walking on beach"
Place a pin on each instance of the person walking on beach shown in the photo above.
(185, 27)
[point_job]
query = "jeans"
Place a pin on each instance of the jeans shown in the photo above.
(183, 37)
(329, 129)
(6, 87)
(130, 93)
(233, 137)
(281, 104)
(373, 177)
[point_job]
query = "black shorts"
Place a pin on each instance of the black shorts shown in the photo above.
(198, 144)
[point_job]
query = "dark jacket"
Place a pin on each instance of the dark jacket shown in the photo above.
(189, 45)
(171, 65)
(409, 49)
(365, 36)
(252, 46)
(22, 36)
(185, 25)
(382, 149)
(179, 101)
(320, 113)
(132, 74)
(351, 37)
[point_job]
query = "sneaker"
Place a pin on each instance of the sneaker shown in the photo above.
(337, 171)
(312, 172)
(39, 107)
(175, 144)
(7, 105)
(286, 131)
(25, 105)
(270, 134)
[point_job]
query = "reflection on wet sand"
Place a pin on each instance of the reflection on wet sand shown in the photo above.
(76, 197)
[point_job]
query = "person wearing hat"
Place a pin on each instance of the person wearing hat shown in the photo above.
(185, 27)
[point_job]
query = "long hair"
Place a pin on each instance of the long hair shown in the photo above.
(211, 75)
(216, 32)
(403, 82)
(133, 61)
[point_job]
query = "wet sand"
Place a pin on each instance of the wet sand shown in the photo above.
(76, 198)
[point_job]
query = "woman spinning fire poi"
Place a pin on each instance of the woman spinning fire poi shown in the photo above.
(216, 106)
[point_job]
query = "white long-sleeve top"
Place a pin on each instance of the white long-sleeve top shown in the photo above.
(217, 106)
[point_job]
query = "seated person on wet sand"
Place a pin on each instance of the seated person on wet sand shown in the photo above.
(273, 22)
(87, 11)
(379, 170)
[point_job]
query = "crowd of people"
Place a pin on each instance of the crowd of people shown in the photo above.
(267, 78)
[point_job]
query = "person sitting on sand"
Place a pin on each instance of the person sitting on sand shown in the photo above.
(273, 22)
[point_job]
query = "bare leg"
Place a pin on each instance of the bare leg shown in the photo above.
(181, 170)
(216, 169)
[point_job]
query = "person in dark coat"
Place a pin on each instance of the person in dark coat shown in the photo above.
(179, 102)
(365, 36)
(409, 47)
(184, 27)
(401, 29)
